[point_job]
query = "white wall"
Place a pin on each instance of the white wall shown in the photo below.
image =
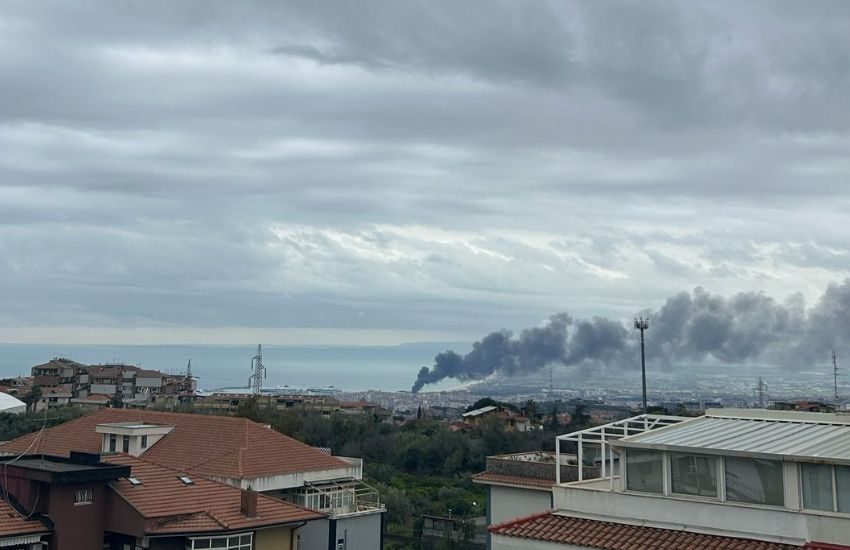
(731, 519)
(512, 502)
(500, 542)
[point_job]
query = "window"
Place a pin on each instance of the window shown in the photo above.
(816, 480)
(134, 481)
(240, 541)
(186, 479)
(144, 442)
(644, 471)
(112, 444)
(82, 496)
(842, 486)
(754, 481)
(825, 487)
(693, 475)
(125, 444)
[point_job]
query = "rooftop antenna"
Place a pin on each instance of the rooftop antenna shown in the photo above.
(760, 390)
(835, 375)
(189, 371)
(255, 381)
(642, 324)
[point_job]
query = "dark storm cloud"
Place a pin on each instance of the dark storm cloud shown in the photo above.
(290, 163)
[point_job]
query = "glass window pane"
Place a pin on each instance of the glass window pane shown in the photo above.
(693, 475)
(754, 481)
(219, 543)
(842, 486)
(643, 471)
(817, 486)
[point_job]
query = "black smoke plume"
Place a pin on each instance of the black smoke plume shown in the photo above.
(694, 327)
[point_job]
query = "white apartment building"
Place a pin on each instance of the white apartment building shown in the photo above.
(731, 479)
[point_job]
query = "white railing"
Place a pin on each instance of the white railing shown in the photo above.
(600, 436)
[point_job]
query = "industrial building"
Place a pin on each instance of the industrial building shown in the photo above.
(166, 458)
(738, 479)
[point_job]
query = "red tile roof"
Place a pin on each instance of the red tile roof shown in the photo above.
(171, 506)
(532, 482)
(220, 446)
(13, 525)
(606, 535)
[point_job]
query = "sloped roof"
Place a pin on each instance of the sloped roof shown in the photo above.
(605, 535)
(221, 446)
(13, 525)
(521, 481)
(171, 506)
(11, 403)
(478, 412)
(764, 433)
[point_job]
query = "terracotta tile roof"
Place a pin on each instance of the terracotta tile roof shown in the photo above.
(221, 446)
(606, 535)
(533, 482)
(171, 506)
(13, 525)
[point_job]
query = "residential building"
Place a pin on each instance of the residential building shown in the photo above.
(52, 397)
(132, 386)
(235, 452)
(733, 478)
(231, 401)
(120, 501)
(510, 419)
(520, 483)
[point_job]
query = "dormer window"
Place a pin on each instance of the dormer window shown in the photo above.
(136, 437)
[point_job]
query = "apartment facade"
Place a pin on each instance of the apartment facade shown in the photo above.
(736, 479)
(70, 382)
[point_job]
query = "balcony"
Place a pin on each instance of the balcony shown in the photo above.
(338, 498)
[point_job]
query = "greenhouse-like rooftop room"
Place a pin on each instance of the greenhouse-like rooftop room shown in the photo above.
(772, 475)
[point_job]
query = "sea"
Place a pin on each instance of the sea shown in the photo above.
(346, 368)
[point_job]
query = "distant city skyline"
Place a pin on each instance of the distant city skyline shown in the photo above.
(376, 173)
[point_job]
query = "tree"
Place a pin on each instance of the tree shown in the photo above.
(530, 409)
(32, 398)
(555, 422)
(483, 402)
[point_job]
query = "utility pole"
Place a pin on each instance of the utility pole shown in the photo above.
(835, 375)
(255, 381)
(642, 324)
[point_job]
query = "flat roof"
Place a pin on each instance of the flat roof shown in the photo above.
(757, 433)
(132, 425)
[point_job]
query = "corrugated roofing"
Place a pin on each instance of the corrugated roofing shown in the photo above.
(752, 436)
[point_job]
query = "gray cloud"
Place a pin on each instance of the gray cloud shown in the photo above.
(433, 166)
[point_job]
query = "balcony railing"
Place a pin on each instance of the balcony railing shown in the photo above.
(338, 498)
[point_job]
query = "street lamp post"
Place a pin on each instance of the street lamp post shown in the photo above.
(642, 324)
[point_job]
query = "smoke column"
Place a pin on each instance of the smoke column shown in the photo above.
(694, 327)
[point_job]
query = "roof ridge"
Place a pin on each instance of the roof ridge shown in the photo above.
(520, 520)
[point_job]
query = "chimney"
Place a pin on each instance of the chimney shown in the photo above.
(248, 505)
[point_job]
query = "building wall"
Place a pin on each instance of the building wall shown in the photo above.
(314, 535)
(500, 542)
(361, 532)
(736, 518)
(76, 526)
(274, 539)
(512, 502)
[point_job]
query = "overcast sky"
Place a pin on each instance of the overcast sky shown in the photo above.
(379, 172)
